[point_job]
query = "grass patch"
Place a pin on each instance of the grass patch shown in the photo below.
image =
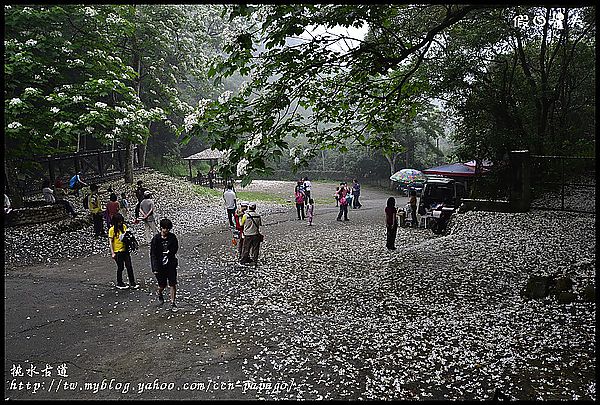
(259, 196)
(251, 196)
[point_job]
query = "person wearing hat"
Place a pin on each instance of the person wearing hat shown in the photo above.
(251, 223)
(239, 213)
(147, 216)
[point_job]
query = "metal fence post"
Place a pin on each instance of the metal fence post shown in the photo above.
(520, 162)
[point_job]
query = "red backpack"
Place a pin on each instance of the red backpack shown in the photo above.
(299, 197)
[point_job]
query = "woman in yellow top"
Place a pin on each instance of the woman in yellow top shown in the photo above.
(119, 252)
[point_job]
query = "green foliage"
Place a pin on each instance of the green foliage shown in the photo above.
(64, 78)
(354, 94)
(170, 164)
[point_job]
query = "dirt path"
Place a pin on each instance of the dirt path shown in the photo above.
(70, 314)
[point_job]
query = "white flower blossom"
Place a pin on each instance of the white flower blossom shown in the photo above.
(15, 125)
(94, 112)
(90, 12)
(55, 110)
(55, 34)
(77, 99)
(190, 121)
(296, 160)
(109, 136)
(30, 91)
(292, 152)
(225, 96)
(202, 106)
(226, 155)
(61, 95)
(47, 136)
(100, 105)
(31, 42)
(101, 81)
(120, 109)
(14, 102)
(113, 19)
(78, 62)
(122, 122)
(242, 167)
(306, 152)
(254, 142)
(89, 130)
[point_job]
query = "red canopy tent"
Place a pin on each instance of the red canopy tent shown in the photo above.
(452, 170)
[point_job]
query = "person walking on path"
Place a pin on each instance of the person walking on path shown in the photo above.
(343, 191)
(119, 252)
(310, 211)
(251, 223)
(163, 259)
(147, 216)
(139, 193)
(95, 208)
(356, 194)
(391, 223)
(299, 197)
(239, 213)
(76, 183)
(412, 201)
(307, 189)
(230, 203)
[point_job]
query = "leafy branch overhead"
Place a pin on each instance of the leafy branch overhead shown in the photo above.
(322, 84)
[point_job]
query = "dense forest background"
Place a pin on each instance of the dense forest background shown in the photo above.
(422, 85)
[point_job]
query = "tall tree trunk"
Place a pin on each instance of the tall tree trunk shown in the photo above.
(392, 161)
(128, 162)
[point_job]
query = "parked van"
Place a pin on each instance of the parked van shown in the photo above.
(440, 190)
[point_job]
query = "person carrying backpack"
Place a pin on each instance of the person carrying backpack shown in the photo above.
(251, 222)
(120, 253)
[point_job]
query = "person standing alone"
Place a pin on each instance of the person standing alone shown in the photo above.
(230, 203)
(163, 248)
(391, 223)
(356, 194)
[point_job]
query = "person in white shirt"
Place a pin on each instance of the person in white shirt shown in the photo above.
(230, 203)
(307, 188)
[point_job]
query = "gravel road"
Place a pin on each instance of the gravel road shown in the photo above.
(329, 313)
